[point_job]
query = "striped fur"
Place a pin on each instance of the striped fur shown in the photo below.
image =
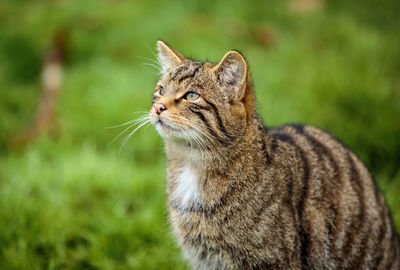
(290, 197)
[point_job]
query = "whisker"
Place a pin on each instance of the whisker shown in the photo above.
(151, 50)
(210, 137)
(137, 112)
(161, 70)
(151, 65)
(204, 145)
(191, 134)
(192, 131)
(197, 128)
(197, 136)
(119, 135)
(130, 134)
(210, 142)
(149, 59)
(129, 122)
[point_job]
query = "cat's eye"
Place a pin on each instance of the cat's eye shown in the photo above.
(162, 91)
(192, 96)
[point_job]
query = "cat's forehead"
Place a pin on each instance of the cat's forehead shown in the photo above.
(188, 69)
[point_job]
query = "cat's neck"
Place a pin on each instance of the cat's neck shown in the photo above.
(200, 178)
(219, 155)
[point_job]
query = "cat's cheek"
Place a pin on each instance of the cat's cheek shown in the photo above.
(237, 126)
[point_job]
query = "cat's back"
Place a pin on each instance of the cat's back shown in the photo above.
(342, 217)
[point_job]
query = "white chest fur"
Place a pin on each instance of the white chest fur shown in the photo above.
(186, 193)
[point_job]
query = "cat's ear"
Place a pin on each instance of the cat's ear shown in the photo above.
(231, 72)
(167, 56)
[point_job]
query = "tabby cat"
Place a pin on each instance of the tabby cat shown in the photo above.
(243, 196)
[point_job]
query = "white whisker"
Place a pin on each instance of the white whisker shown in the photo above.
(130, 134)
(153, 53)
(139, 121)
(137, 112)
(119, 135)
(129, 122)
(151, 65)
(210, 142)
(149, 59)
(197, 140)
(203, 141)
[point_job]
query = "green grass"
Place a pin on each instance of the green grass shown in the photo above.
(72, 202)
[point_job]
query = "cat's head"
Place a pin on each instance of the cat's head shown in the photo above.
(200, 102)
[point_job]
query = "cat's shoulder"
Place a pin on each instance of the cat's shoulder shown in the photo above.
(288, 131)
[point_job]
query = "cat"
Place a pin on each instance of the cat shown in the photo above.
(243, 196)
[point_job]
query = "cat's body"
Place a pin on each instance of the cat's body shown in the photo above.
(245, 197)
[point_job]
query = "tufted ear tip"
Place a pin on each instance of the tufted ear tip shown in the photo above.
(234, 55)
(231, 72)
(167, 56)
(161, 43)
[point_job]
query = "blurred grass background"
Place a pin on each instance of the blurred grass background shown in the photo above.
(68, 201)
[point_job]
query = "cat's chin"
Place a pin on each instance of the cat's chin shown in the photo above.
(172, 135)
(168, 132)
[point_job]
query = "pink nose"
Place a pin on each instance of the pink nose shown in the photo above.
(159, 107)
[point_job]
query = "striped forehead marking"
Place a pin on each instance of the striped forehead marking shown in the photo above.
(186, 71)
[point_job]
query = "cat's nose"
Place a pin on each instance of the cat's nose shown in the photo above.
(159, 107)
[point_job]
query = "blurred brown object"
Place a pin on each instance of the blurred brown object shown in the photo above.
(303, 6)
(52, 75)
(264, 34)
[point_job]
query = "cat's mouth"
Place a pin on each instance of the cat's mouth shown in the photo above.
(169, 130)
(172, 133)
(166, 129)
(161, 123)
(164, 124)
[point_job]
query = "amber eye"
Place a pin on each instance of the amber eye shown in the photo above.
(162, 91)
(192, 96)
